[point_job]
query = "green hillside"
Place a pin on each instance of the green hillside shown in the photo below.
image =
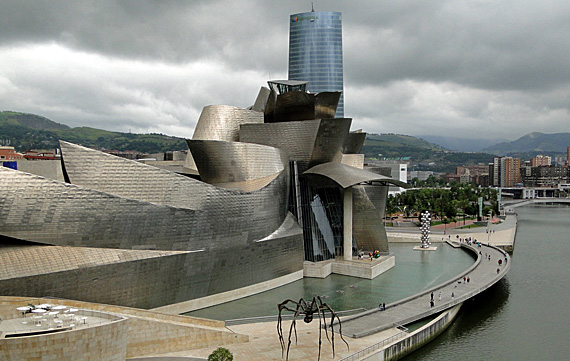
(29, 131)
(426, 155)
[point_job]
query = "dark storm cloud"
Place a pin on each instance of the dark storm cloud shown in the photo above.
(480, 68)
(486, 44)
(170, 31)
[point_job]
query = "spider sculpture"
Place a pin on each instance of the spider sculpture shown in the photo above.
(308, 310)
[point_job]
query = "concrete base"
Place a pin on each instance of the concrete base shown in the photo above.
(364, 268)
(317, 269)
(430, 248)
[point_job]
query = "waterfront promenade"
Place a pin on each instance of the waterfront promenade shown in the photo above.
(500, 235)
(482, 275)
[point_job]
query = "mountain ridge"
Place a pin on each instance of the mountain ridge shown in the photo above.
(535, 142)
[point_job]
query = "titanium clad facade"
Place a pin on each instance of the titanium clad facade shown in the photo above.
(219, 252)
(308, 142)
(315, 52)
(330, 138)
(221, 122)
(222, 215)
(297, 139)
(367, 228)
(237, 165)
(151, 278)
(354, 143)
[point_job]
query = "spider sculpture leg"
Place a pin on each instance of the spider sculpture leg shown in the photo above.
(333, 316)
(300, 308)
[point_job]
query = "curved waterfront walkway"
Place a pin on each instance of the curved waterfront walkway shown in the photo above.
(482, 275)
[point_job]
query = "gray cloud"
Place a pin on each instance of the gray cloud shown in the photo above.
(494, 69)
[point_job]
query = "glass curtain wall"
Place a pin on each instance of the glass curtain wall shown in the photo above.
(315, 52)
(322, 213)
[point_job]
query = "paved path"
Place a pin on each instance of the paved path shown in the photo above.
(500, 234)
(483, 274)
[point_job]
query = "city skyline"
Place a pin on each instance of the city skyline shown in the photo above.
(475, 70)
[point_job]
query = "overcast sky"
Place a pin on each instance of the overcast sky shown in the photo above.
(471, 69)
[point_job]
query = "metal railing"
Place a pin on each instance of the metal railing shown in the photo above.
(378, 345)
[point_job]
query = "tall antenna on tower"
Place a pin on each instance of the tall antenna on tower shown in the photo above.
(312, 7)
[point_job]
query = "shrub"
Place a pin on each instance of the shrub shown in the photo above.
(221, 354)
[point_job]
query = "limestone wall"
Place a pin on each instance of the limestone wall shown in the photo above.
(107, 342)
(147, 332)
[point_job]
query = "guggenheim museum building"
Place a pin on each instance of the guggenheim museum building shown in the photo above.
(266, 192)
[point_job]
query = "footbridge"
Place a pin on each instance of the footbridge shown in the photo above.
(525, 202)
(484, 273)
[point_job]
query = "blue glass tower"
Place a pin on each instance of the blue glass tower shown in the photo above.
(315, 52)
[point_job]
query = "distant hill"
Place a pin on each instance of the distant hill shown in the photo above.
(396, 146)
(29, 131)
(461, 144)
(427, 155)
(30, 120)
(533, 143)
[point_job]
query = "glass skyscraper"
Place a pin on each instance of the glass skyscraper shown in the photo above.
(315, 52)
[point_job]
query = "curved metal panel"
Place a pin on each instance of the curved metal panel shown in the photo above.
(346, 176)
(261, 100)
(295, 138)
(221, 122)
(367, 227)
(146, 279)
(45, 211)
(223, 213)
(326, 104)
(353, 160)
(129, 179)
(354, 142)
(52, 259)
(290, 106)
(378, 196)
(329, 141)
(300, 105)
(236, 165)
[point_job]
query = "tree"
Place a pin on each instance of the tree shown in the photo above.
(221, 354)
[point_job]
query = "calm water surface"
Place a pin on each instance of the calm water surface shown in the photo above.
(414, 271)
(527, 315)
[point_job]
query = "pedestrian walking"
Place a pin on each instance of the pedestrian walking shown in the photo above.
(467, 279)
(432, 296)
(498, 271)
(452, 295)
(431, 303)
(464, 279)
(439, 296)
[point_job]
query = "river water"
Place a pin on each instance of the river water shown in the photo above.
(526, 316)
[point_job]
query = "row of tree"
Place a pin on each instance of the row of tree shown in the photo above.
(445, 203)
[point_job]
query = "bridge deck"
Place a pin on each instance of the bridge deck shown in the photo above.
(482, 275)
